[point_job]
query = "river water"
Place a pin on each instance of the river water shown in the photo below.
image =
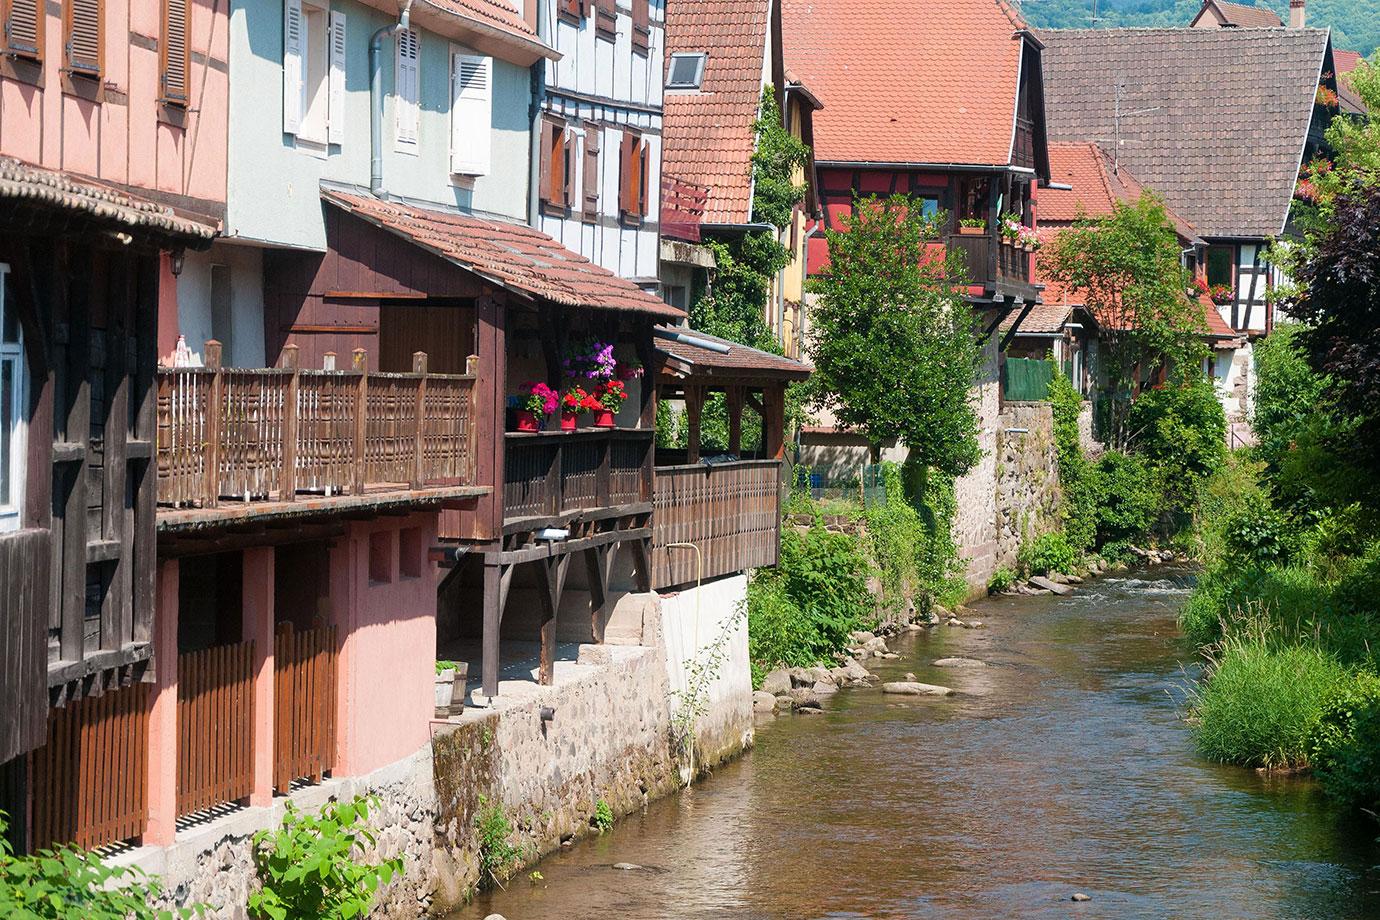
(1064, 766)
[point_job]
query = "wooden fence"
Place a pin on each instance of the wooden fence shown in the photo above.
(550, 473)
(270, 433)
(89, 782)
(304, 665)
(731, 511)
(682, 208)
(215, 724)
(1026, 379)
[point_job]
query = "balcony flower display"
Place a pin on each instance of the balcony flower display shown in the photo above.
(611, 395)
(1028, 239)
(972, 226)
(628, 370)
(577, 401)
(593, 362)
(1221, 294)
(1010, 227)
(535, 401)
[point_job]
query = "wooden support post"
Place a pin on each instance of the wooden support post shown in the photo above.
(642, 551)
(552, 571)
(257, 627)
(735, 419)
(694, 404)
(361, 366)
(774, 421)
(145, 469)
(215, 401)
(497, 581)
(72, 311)
(419, 440)
(162, 757)
(472, 448)
(596, 573)
(287, 488)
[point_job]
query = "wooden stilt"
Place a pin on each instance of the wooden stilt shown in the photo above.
(552, 573)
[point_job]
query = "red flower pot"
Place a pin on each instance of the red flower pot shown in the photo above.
(527, 421)
(603, 419)
(568, 420)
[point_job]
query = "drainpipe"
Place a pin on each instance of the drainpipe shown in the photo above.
(376, 98)
(534, 138)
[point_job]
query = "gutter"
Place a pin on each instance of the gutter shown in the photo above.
(682, 338)
(376, 98)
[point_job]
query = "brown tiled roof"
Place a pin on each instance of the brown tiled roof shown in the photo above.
(1221, 119)
(1097, 183)
(512, 256)
(739, 362)
(1345, 62)
(908, 81)
(1043, 319)
(25, 185)
(707, 136)
(1242, 16)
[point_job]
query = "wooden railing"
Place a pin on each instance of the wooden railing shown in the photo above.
(304, 671)
(682, 208)
(215, 724)
(731, 511)
(990, 260)
(547, 474)
(89, 782)
(271, 433)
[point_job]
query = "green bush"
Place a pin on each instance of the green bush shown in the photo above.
(603, 816)
(1262, 703)
(913, 549)
(1002, 579)
(1226, 491)
(1256, 534)
(1077, 475)
(1346, 743)
(71, 884)
(497, 856)
(1129, 498)
(313, 865)
(1049, 552)
(1181, 430)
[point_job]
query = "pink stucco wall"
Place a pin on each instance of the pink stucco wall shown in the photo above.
(126, 138)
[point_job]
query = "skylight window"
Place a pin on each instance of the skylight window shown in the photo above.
(687, 70)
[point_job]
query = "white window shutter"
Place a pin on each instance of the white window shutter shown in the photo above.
(293, 41)
(405, 104)
(335, 108)
(471, 92)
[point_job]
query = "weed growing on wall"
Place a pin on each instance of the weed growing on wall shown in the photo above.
(498, 857)
(602, 819)
(701, 670)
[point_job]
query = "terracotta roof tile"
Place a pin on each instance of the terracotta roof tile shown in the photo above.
(496, 13)
(1097, 183)
(1043, 319)
(740, 360)
(707, 136)
(1226, 160)
(1345, 61)
(512, 256)
(1243, 16)
(908, 81)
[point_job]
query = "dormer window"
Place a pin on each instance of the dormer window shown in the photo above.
(687, 70)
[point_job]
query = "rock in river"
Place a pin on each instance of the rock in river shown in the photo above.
(777, 682)
(1040, 581)
(959, 663)
(1080, 896)
(763, 701)
(914, 688)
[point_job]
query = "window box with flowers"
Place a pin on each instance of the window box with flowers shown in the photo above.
(536, 402)
(972, 226)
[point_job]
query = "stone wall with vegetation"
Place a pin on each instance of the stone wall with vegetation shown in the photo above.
(975, 526)
(1028, 493)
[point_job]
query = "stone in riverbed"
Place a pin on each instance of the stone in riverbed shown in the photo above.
(777, 682)
(495, 917)
(914, 688)
(860, 637)
(1075, 579)
(910, 675)
(959, 663)
(824, 688)
(1040, 581)
(1080, 896)
(763, 701)
(802, 698)
(624, 867)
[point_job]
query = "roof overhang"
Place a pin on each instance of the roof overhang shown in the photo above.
(692, 356)
(508, 44)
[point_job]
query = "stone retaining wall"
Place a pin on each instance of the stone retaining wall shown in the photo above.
(1028, 492)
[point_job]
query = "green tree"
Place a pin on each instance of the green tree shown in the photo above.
(894, 344)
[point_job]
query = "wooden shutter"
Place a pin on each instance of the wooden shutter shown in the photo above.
(82, 19)
(544, 155)
(570, 9)
(406, 102)
(643, 148)
(641, 26)
(625, 160)
(606, 20)
(292, 66)
(559, 161)
(174, 53)
(590, 179)
(471, 107)
(24, 21)
(335, 100)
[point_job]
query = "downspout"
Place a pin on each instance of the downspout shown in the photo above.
(538, 80)
(376, 98)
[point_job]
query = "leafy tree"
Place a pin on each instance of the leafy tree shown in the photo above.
(1126, 269)
(777, 167)
(894, 344)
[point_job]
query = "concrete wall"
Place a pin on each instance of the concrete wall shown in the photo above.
(274, 180)
(1028, 493)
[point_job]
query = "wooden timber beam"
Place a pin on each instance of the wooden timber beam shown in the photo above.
(552, 573)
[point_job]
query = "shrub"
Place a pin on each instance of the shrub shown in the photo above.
(1077, 480)
(497, 857)
(603, 816)
(1129, 498)
(312, 866)
(1219, 496)
(1346, 743)
(1256, 534)
(913, 549)
(1181, 430)
(1049, 552)
(1262, 703)
(1002, 579)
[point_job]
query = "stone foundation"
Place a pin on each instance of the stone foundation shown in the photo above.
(1028, 493)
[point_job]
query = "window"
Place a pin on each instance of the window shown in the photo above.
(471, 88)
(23, 28)
(687, 70)
(1220, 261)
(12, 415)
(81, 36)
(641, 26)
(589, 179)
(381, 556)
(557, 166)
(313, 72)
(632, 171)
(407, 88)
(174, 53)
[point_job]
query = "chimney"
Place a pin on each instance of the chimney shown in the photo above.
(1297, 14)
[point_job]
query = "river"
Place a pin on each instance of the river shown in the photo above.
(1064, 766)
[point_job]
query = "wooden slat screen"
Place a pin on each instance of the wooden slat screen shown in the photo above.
(304, 666)
(215, 721)
(24, 610)
(390, 428)
(174, 51)
(731, 511)
(89, 782)
(82, 21)
(552, 473)
(24, 26)
(590, 177)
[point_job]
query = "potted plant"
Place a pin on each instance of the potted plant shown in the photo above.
(1221, 294)
(972, 226)
(1010, 227)
(1029, 240)
(445, 687)
(610, 396)
(536, 401)
(572, 405)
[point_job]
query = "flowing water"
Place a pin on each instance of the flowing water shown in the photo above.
(1064, 766)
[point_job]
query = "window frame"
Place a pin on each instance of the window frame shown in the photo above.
(12, 353)
(78, 69)
(697, 84)
(558, 149)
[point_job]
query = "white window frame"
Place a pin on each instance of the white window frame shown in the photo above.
(471, 115)
(407, 92)
(692, 86)
(13, 353)
(313, 109)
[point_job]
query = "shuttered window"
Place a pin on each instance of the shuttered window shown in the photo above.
(23, 27)
(606, 20)
(407, 89)
(81, 21)
(590, 177)
(174, 51)
(293, 40)
(632, 185)
(335, 106)
(557, 166)
(641, 26)
(572, 10)
(471, 91)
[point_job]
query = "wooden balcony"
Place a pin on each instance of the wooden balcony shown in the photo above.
(993, 264)
(730, 511)
(554, 477)
(245, 437)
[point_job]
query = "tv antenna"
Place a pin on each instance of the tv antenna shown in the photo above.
(1117, 140)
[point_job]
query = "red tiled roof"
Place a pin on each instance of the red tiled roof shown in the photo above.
(1241, 15)
(908, 81)
(707, 136)
(1043, 319)
(1345, 61)
(1097, 184)
(512, 256)
(740, 360)
(495, 13)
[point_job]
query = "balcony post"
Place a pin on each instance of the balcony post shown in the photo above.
(287, 488)
(694, 402)
(735, 420)
(361, 366)
(419, 366)
(472, 443)
(214, 408)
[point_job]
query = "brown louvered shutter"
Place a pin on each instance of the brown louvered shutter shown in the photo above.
(591, 175)
(572, 152)
(173, 50)
(641, 26)
(24, 28)
(544, 155)
(625, 167)
(557, 194)
(570, 9)
(82, 19)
